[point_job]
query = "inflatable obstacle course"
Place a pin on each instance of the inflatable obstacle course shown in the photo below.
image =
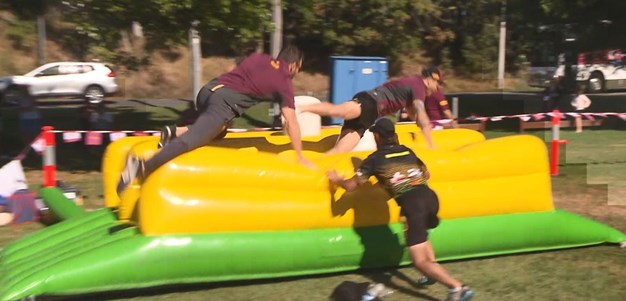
(243, 209)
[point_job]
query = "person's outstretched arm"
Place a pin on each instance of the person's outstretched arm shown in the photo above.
(292, 127)
(349, 184)
(422, 121)
(449, 115)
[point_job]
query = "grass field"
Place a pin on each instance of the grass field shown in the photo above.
(592, 163)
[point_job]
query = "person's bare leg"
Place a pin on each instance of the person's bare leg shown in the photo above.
(423, 257)
(346, 142)
(579, 124)
(345, 110)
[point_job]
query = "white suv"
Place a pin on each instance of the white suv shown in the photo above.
(88, 80)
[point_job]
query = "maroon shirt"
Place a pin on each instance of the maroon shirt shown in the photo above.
(397, 94)
(262, 78)
(435, 104)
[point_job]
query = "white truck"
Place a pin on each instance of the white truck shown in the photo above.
(598, 71)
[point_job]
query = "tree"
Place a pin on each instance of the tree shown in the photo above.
(390, 28)
(226, 26)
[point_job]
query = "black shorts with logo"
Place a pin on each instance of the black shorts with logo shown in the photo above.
(420, 206)
(369, 113)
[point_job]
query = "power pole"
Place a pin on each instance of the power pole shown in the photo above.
(275, 45)
(502, 47)
(41, 40)
(277, 32)
(196, 64)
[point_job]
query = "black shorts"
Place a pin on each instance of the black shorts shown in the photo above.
(369, 113)
(420, 207)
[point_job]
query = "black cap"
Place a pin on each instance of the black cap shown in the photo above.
(435, 73)
(384, 127)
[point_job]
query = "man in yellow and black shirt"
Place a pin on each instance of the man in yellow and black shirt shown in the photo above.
(405, 177)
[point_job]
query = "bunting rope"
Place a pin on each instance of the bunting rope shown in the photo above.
(95, 137)
(541, 116)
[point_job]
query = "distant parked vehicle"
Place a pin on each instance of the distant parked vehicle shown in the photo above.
(599, 71)
(88, 80)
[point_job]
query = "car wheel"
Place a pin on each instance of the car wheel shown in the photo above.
(14, 96)
(94, 94)
(595, 84)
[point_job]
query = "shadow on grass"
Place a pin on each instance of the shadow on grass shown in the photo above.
(385, 276)
(376, 275)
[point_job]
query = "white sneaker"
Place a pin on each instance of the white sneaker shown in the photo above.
(132, 170)
(423, 281)
(377, 290)
(464, 294)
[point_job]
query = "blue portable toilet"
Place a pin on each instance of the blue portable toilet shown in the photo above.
(353, 74)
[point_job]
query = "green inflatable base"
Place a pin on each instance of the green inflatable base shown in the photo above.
(93, 252)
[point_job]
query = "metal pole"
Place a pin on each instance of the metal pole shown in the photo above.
(502, 47)
(455, 107)
(41, 40)
(277, 32)
(196, 67)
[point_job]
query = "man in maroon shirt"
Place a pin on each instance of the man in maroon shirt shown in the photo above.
(366, 106)
(257, 78)
(438, 108)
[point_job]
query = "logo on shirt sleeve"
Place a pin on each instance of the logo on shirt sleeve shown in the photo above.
(275, 64)
(443, 103)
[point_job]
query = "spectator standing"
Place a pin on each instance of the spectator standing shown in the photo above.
(29, 116)
(580, 103)
(438, 109)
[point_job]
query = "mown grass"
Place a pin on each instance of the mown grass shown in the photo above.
(592, 273)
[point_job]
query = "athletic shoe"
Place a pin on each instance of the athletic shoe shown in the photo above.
(168, 133)
(463, 294)
(423, 281)
(379, 290)
(134, 169)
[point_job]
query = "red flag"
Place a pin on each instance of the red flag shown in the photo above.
(93, 138)
(140, 133)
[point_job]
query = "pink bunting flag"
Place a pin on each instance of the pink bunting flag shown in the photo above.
(539, 116)
(589, 116)
(93, 138)
(70, 137)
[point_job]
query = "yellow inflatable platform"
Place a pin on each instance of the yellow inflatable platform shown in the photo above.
(251, 182)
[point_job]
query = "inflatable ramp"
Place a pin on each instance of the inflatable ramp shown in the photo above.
(243, 209)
